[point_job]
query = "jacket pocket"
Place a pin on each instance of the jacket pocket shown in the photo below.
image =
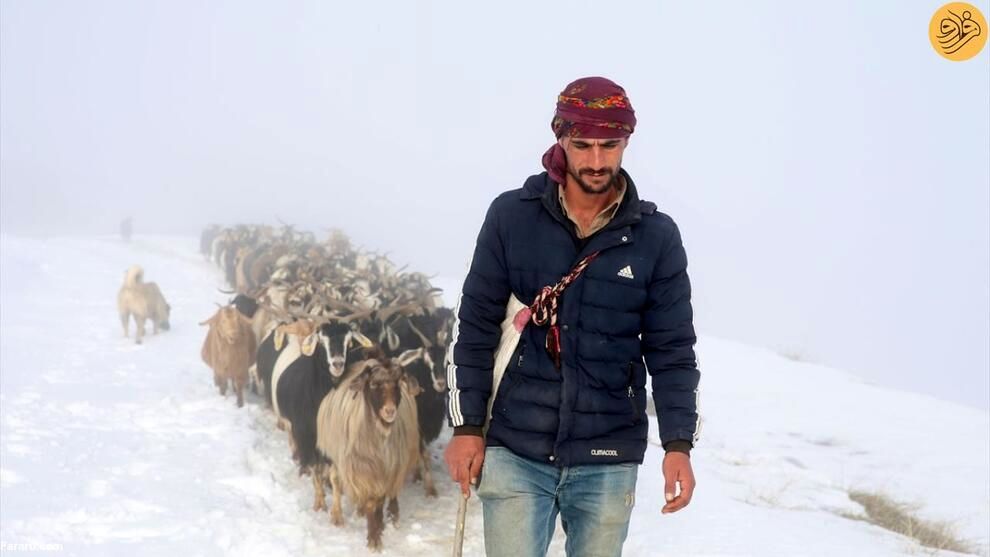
(631, 393)
(510, 377)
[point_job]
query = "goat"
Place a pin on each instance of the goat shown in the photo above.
(430, 408)
(229, 349)
(427, 337)
(271, 350)
(367, 431)
(304, 372)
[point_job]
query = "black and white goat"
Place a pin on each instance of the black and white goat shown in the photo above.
(305, 371)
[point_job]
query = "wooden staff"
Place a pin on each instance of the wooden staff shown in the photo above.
(459, 527)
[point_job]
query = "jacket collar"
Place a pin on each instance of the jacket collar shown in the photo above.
(540, 186)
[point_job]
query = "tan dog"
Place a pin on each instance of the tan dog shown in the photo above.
(229, 349)
(144, 301)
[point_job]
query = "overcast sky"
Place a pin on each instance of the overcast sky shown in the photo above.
(829, 171)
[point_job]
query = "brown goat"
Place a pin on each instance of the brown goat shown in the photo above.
(367, 428)
(300, 329)
(229, 349)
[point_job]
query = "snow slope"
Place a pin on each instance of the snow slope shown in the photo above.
(109, 448)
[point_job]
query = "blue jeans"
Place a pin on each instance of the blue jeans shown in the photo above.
(521, 499)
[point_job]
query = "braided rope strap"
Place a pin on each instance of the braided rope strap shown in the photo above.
(543, 310)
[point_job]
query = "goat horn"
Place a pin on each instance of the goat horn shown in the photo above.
(312, 304)
(356, 316)
(426, 342)
(279, 312)
(338, 304)
(385, 314)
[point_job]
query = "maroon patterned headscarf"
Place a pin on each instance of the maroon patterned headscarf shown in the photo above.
(591, 107)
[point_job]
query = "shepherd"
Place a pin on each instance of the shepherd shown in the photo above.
(606, 303)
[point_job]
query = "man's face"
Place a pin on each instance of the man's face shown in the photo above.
(594, 163)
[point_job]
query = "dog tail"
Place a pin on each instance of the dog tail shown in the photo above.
(134, 276)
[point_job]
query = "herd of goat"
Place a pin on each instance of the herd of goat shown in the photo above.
(348, 352)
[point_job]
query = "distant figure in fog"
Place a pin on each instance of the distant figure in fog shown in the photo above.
(126, 229)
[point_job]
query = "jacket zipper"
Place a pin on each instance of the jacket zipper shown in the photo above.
(631, 394)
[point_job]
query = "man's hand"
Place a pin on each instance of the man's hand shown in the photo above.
(464, 455)
(677, 470)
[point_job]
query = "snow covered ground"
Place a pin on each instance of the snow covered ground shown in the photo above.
(108, 448)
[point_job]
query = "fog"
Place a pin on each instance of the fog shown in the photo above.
(829, 171)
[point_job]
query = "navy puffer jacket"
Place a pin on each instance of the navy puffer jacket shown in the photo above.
(628, 315)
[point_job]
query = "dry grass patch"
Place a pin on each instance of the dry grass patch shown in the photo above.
(881, 510)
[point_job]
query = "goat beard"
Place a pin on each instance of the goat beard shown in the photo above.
(227, 336)
(385, 428)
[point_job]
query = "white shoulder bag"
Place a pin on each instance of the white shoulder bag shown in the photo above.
(506, 346)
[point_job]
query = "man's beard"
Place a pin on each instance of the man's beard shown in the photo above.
(613, 180)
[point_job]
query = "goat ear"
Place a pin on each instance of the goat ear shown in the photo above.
(362, 340)
(211, 320)
(409, 356)
(308, 344)
(359, 383)
(363, 374)
(413, 384)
